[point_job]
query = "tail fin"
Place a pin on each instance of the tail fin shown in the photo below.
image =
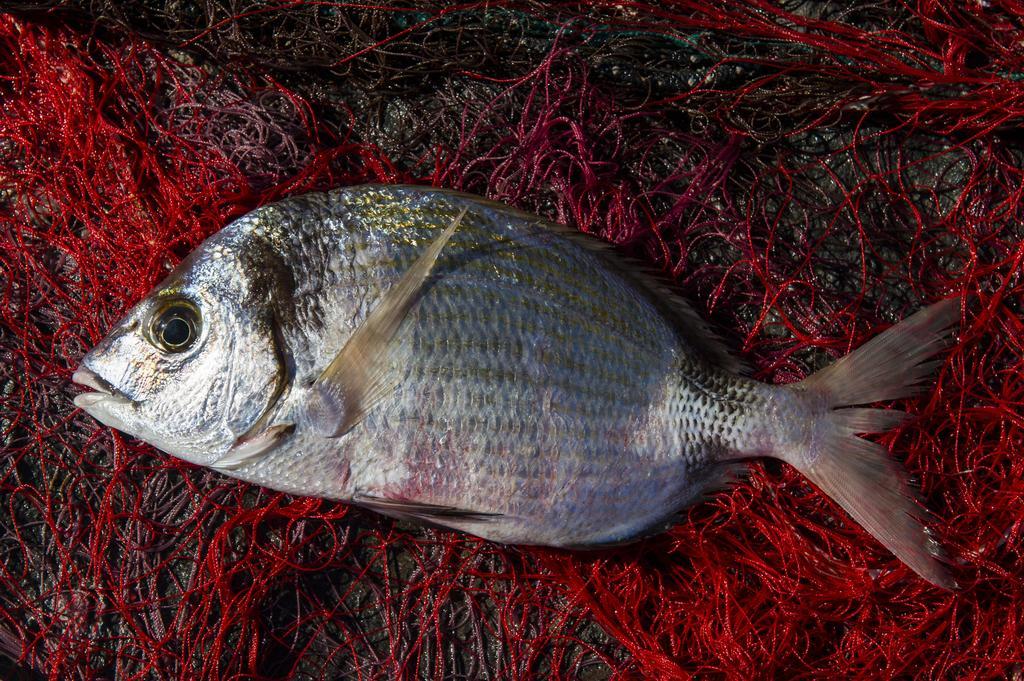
(858, 474)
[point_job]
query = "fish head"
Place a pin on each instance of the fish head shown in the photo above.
(193, 365)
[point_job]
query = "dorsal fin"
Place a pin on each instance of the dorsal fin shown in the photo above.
(694, 329)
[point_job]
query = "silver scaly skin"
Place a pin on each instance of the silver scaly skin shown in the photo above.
(544, 391)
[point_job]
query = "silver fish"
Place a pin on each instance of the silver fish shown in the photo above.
(437, 356)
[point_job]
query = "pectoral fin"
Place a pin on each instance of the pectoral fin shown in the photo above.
(360, 376)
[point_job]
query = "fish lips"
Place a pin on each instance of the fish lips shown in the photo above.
(103, 404)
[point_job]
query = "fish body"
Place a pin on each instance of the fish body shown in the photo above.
(433, 355)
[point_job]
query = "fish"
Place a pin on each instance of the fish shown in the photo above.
(439, 357)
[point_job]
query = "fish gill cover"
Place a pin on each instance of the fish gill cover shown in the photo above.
(808, 173)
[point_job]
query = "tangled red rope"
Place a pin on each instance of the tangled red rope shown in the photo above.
(820, 178)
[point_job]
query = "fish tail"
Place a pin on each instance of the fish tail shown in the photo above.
(858, 474)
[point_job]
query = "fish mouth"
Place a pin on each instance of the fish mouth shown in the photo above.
(104, 391)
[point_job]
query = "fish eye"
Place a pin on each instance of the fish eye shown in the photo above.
(175, 327)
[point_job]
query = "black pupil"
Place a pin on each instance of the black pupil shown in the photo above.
(176, 331)
(176, 328)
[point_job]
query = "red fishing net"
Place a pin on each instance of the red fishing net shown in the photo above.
(807, 172)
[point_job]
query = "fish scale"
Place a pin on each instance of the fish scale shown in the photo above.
(433, 355)
(577, 410)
